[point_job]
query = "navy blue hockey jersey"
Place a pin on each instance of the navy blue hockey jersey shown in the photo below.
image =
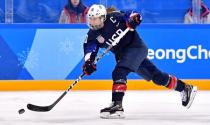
(114, 24)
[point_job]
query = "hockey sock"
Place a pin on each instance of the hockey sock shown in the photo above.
(175, 84)
(118, 91)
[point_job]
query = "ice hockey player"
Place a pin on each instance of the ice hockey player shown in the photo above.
(131, 56)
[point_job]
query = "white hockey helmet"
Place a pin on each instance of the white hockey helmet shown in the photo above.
(96, 11)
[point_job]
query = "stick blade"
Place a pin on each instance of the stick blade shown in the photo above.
(38, 108)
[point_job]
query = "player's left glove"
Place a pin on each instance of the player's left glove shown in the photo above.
(134, 20)
(89, 67)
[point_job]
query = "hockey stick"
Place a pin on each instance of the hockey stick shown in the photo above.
(49, 107)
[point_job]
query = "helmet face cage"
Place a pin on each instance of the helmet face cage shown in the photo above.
(96, 11)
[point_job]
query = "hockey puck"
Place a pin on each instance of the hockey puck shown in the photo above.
(21, 111)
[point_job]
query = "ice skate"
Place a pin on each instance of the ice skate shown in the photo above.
(188, 95)
(114, 111)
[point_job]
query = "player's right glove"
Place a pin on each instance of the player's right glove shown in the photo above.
(89, 67)
(134, 20)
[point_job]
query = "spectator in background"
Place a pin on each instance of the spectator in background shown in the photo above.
(204, 15)
(74, 12)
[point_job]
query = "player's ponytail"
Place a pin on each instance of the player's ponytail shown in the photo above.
(111, 9)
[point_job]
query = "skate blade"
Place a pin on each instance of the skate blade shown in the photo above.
(116, 115)
(194, 91)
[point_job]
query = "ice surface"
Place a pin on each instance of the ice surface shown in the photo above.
(82, 108)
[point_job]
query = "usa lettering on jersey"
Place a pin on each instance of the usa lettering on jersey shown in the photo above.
(114, 36)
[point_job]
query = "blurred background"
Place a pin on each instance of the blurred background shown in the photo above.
(45, 11)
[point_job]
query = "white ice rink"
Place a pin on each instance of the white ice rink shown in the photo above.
(82, 108)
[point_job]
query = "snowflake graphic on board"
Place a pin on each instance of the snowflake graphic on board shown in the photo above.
(66, 46)
(30, 56)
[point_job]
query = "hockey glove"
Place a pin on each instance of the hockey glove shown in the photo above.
(134, 20)
(89, 67)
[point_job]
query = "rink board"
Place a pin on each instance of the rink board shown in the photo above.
(24, 85)
(46, 56)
